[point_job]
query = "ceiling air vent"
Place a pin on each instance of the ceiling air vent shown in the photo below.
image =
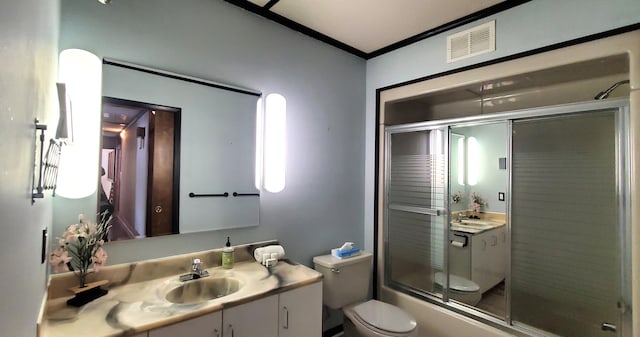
(471, 42)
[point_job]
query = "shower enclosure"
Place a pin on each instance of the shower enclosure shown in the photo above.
(566, 217)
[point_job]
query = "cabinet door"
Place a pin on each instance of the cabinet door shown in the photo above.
(254, 319)
(204, 326)
(301, 312)
(487, 259)
(481, 260)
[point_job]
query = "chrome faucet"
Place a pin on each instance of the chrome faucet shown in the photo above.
(462, 216)
(196, 271)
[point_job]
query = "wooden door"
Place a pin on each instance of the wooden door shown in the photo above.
(160, 179)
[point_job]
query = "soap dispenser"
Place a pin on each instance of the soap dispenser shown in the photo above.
(227, 255)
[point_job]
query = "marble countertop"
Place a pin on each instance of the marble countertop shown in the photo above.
(474, 226)
(136, 303)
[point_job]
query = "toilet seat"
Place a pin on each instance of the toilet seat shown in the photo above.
(457, 283)
(384, 318)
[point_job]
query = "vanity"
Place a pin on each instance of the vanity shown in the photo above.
(478, 251)
(148, 299)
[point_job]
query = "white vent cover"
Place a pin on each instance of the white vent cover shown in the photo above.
(471, 42)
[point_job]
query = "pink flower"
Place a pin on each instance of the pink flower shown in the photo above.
(99, 259)
(59, 259)
(71, 234)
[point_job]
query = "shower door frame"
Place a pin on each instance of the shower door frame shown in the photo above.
(623, 189)
(416, 210)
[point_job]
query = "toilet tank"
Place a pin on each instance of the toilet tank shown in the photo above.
(345, 281)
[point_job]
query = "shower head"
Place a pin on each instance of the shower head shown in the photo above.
(606, 93)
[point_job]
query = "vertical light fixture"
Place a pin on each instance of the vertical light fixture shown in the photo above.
(271, 131)
(259, 142)
(473, 158)
(461, 166)
(81, 71)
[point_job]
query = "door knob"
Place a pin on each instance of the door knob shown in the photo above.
(158, 209)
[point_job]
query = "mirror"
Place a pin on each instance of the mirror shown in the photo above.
(477, 250)
(201, 150)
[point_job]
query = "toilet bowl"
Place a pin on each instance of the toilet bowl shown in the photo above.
(460, 288)
(378, 319)
(345, 286)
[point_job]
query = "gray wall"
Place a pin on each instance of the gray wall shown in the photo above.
(28, 50)
(526, 27)
(322, 203)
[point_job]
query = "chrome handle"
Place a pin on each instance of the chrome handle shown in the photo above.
(231, 329)
(216, 333)
(417, 209)
(335, 270)
(286, 318)
(609, 327)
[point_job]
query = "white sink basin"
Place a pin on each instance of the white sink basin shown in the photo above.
(480, 224)
(203, 289)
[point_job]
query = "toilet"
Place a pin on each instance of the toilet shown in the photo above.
(460, 288)
(346, 286)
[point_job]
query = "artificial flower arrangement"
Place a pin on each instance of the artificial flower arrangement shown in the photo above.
(80, 247)
(457, 197)
(477, 202)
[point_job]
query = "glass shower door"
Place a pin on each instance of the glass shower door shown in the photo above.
(566, 224)
(415, 204)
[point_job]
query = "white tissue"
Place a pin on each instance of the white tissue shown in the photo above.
(273, 251)
(457, 244)
(347, 246)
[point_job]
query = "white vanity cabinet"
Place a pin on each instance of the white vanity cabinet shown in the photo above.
(208, 325)
(294, 313)
(257, 318)
(301, 312)
(488, 258)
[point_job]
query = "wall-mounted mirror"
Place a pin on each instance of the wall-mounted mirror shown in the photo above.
(477, 254)
(475, 164)
(178, 153)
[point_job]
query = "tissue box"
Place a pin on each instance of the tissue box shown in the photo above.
(342, 254)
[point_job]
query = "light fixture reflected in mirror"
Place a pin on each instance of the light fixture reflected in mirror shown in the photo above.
(461, 161)
(473, 158)
(81, 72)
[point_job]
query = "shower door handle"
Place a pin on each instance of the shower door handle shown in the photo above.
(609, 327)
(417, 209)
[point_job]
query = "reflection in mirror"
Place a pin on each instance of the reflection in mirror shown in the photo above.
(140, 183)
(216, 126)
(457, 165)
(477, 249)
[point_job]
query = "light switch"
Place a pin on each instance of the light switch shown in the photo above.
(45, 236)
(501, 196)
(502, 163)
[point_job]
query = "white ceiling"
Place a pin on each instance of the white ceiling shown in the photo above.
(370, 25)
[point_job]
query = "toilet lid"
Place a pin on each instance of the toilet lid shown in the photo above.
(457, 283)
(385, 316)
